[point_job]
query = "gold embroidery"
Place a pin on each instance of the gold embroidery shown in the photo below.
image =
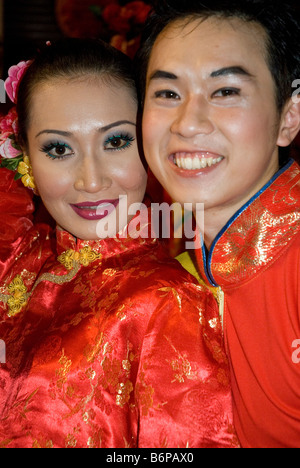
(123, 393)
(19, 297)
(57, 279)
(43, 443)
(85, 256)
(63, 371)
(175, 294)
(116, 374)
(181, 366)
(144, 392)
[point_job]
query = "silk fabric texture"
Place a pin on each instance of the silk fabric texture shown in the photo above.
(255, 260)
(109, 343)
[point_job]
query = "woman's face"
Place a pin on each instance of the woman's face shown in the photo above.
(84, 154)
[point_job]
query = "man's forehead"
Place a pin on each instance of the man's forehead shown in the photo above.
(206, 29)
(214, 40)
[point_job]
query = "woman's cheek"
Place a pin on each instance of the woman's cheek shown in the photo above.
(133, 177)
(52, 185)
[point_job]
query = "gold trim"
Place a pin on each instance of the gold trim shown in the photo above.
(85, 256)
(18, 296)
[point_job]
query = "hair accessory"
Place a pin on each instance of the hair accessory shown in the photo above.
(15, 74)
(11, 153)
(25, 170)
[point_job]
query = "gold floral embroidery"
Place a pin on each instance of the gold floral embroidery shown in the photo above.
(63, 371)
(123, 393)
(116, 374)
(144, 392)
(85, 256)
(19, 297)
(181, 366)
(42, 443)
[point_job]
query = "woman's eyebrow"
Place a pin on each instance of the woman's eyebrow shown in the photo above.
(57, 132)
(116, 124)
(101, 129)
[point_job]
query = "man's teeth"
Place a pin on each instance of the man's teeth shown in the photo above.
(195, 162)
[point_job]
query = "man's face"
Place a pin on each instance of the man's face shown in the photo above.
(210, 124)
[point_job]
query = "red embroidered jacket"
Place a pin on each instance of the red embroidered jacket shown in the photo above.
(255, 260)
(109, 343)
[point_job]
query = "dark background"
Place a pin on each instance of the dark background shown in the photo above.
(27, 24)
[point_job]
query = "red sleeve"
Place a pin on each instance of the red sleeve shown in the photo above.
(16, 209)
(183, 389)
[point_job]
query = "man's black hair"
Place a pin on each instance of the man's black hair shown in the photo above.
(280, 20)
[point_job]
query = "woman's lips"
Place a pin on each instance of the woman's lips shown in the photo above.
(95, 210)
(190, 164)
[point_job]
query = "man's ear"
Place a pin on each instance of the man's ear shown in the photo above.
(290, 122)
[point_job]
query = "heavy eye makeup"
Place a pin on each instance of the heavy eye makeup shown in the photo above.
(118, 141)
(57, 150)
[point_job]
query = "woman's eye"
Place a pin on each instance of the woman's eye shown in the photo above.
(166, 94)
(227, 92)
(118, 142)
(57, 150)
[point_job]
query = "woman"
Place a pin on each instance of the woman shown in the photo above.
(104, 346)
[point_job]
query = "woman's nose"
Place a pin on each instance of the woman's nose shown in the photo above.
(91, 177)
(193, 118)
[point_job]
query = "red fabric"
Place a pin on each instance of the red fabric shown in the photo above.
(256, 261)
(126, 351)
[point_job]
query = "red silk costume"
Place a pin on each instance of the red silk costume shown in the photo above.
(109, 343)
(255, 260)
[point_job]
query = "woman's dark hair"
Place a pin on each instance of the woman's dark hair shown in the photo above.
(71, 58)
(279, 19)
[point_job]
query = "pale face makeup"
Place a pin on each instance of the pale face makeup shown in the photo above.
(210, 126)
(83, 150)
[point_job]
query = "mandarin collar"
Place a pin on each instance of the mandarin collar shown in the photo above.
(257, 234)
(112, 246)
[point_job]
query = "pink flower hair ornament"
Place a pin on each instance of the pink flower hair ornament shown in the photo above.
(11, 154)
(15, 74)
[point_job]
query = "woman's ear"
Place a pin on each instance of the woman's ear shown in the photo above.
(290, 122)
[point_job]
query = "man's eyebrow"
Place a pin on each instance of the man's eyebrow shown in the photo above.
(163, 75)
(236, 70)
(101, 129)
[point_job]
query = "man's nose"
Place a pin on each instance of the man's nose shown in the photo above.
(193, 118)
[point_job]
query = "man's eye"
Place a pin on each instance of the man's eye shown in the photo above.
(166, 94)
(227, 92)
(118, 142)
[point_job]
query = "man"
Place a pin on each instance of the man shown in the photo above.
(221, 108)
